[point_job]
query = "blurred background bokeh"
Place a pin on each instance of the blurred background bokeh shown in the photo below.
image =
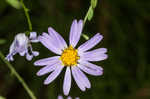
(124, 25)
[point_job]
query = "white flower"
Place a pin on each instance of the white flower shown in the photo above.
(22, 45)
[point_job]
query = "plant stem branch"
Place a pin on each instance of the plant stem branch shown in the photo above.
(20, 79)
(86, 16)
(27, 15)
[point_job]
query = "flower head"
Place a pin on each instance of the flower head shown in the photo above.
(21, 44)
(75, 60)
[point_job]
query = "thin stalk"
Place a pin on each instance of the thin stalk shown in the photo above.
(20, 79)
(27, 15)
(86, 16)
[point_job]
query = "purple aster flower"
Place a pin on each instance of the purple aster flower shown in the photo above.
(69, 97)
(76, 60)
(22, 45)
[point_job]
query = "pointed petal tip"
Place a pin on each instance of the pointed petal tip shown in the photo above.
(60, 97)
(66, 93)
(75, 20)
(105, 56)
(33, 35)
(38, 74)
(46, 82)
(29, 57)
(101, 73)
(104, 50)
(99, 35)
(83, 89)
(80, 21)
(50, 29)
(39, 37)
(35, 63)
(35, 53)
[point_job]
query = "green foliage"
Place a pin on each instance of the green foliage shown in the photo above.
(2, 41)
(14, 3)
(93, 3)
(85, 36)
(2, 97)
(90, 13)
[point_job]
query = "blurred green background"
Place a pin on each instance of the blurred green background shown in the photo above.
(124, 25)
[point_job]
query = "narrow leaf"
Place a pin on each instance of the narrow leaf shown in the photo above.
(90, 13)
(93, 3)
(85, 36)
(14, 3)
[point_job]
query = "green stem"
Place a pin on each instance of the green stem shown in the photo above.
(27, 15)
(89, 15)
(18, 76)
(86, 37)
(86, 16)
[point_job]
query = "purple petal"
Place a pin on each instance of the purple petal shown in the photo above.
(33, 37)
(22, 53)
(77, 79)
(91, 66)
(47, 69)
(9, 57)
(60, 97)
(57, 37)
(80, 27)
(47, 61)
(92, 57)
(83, 78)
(47, 41)
(51, 41)
(95, 55)
(77, 98)
(53, 75)
(90, 43)
(29, 57)
(67, 82)
(96, 52)
(91, 71)
(69, 97)
(35, 53)
(75, 32)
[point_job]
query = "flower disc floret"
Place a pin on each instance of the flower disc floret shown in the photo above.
(69, 57)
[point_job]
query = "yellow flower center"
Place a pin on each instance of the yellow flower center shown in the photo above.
(69, 57)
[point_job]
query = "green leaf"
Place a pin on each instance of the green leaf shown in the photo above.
(90, 13)
(2, 41)
(93, 3)
(85, 36)
(14, 3)
(2, 97)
